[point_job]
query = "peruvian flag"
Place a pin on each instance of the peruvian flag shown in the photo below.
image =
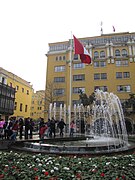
(81, 50)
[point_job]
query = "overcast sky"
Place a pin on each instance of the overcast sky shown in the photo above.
(27, 26)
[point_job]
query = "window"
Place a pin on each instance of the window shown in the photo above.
(121, 63)
(103, 75)
(64, 58)
(99, 64)
(79, 66)
(15, 106)
(60, 58)
(75, 56)
(21, 106)
(3, 80)
(39, 102)
(102, 63)
(102, 54)
(27, 92)
(58, 92)
(126, 74)
(118, 75)
(10, 84)
(59, 68)
(96, 64)
(22, 89)
(123, 88)
(103, 88)
(17, 88)
(59, 79)
(56, 58)
(124, 52)
(26, 108)
(76, 90)
(96, 76)
(80, 77)
(96, 54)
(117, 52)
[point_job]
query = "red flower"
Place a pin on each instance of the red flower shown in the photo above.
(102, 174)
(78, 175)
(13, 167)
(35, 169)
(46, 173)
(117, 178)
(123, 177)
(36, 177)
(1, 176)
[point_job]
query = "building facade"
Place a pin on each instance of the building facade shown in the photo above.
(23, 93)
(37, 106)
(112, 68)
(7, 99)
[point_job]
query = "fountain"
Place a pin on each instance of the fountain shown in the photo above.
(107, 129)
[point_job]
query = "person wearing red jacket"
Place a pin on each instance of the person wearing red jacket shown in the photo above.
(42, 131)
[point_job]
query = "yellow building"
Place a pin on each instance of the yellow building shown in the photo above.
(23, 95)
(37, 106)
(112, 68)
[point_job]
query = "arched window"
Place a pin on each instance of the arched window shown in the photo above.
(56, 58)
(124, 52)
(102, 54)
(64, 58)
(117, 52)
(60, 58)
(96, 54)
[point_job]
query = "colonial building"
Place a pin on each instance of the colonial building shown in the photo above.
(23, 96)
(7, 98)
(112, 68)
(37, 106)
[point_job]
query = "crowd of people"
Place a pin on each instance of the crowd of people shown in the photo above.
(24, 128)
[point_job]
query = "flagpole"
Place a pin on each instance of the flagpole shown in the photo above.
(70, 86)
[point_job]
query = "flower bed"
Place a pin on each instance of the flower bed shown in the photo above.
(21, 166)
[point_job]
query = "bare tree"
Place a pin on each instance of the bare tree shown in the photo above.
(50, 96)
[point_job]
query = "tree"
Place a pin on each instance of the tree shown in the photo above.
(131, 101)
(50, 96)
(85, 100)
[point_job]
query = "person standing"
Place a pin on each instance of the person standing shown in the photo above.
(21, 123)
(26, 123)
(2, 122)
(42, 131)
(52, 127)
(61, 125)
(31, 128)
(72, 127)
(14, 130)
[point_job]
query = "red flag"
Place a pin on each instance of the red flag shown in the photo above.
(81, 50)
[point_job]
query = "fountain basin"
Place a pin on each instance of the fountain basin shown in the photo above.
(80, 147)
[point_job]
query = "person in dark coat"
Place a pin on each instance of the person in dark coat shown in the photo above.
(41, 123)
(21, 123)
(52, 127)
(31, 128)
(61, 125)
(26, 123)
